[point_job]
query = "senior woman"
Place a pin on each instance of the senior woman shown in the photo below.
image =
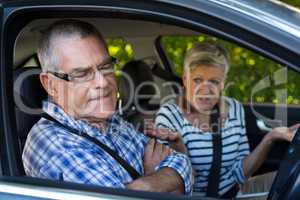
(210, 127)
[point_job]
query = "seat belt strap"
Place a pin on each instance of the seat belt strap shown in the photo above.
(132, 171)
(214, 174)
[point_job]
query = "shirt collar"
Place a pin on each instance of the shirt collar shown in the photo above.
(59, 114)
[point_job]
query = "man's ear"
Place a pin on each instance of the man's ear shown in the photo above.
(48, 84)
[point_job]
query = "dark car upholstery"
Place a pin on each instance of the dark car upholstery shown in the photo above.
(28, 97)
(136, 96)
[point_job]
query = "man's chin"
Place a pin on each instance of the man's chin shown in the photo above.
(96, 110)
(102, 111)
(97, 115)
(102, 115)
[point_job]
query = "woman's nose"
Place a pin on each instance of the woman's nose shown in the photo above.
(206, 88)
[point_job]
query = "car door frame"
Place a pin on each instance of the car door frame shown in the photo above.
(207, 18)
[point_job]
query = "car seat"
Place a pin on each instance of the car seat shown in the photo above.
(28, 96)
(136, 90)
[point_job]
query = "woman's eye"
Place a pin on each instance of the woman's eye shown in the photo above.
(198, 80)
(215, 82)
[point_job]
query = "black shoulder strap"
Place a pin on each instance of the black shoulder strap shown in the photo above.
(133, 173)
(214, 174)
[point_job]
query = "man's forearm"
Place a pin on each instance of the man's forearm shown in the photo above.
(165, 180)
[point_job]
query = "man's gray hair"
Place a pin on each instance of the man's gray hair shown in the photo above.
(69, 28)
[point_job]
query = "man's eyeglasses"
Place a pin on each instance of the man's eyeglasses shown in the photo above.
(85, 75)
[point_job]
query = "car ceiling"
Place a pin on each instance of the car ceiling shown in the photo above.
(140, 34)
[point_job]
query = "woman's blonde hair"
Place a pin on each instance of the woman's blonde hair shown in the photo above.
(209, 54)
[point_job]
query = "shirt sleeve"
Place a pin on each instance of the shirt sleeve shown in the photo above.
(167, 117)
(81, 167)
(181, 164)
(235, 174)
(243, 151)
(177, 161)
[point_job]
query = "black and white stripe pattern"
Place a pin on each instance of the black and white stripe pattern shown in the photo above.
(235, 145)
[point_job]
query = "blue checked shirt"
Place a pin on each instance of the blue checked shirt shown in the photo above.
(53, 152)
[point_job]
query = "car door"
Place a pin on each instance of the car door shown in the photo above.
(261, 115)
(205, 16)
(261, 84)
(1, 125)
(13, 183)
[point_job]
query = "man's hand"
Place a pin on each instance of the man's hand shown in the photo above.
(155, 153)
(174, 139)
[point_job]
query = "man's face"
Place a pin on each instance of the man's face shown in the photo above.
(203, 86)
(91, 99)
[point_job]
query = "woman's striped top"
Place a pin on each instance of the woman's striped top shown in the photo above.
(235, 145)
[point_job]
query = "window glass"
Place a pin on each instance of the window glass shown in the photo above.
(251, 76)
(119, 48)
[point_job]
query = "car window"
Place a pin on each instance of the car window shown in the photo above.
(120, 49)
(0, 169)
(248, 68)
(251, 78)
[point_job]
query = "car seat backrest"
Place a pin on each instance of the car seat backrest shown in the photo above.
(28, 97)
(137, 89)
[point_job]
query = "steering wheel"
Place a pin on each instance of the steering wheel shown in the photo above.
(287, 182)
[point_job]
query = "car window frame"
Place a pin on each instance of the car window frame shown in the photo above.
(173, 15)
(38, 187)
(169, 65)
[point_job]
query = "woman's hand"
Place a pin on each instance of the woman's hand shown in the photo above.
(283, 133)
(253, 161)
(174, 139)
(155, 153)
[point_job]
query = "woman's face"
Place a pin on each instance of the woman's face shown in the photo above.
(203, 85)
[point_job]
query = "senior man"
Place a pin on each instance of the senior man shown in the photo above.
(80, 114)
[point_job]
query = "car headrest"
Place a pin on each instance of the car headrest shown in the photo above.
(28, 88)
(28, 96)
(136, 79)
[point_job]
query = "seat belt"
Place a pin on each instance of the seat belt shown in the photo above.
(214, 174)
(132, 171)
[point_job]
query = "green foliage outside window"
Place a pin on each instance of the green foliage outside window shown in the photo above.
(295, 3)
(120, 49)
(246, 70)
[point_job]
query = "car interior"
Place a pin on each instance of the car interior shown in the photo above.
(150, 63)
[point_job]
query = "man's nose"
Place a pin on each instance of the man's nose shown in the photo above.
(100, 80)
